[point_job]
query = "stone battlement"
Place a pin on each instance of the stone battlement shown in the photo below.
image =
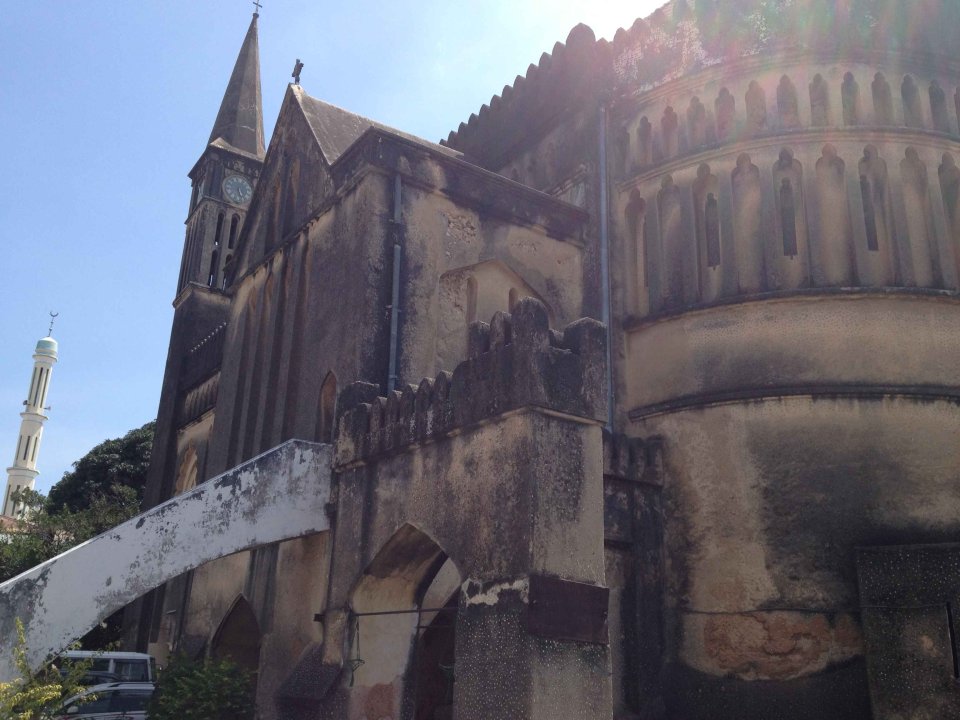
(514, 361)
(568, 74)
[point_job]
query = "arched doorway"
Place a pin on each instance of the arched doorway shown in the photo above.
(403, 639)
(434, 651)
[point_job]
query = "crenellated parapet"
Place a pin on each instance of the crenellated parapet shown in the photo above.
(515, 361)
(571, 73)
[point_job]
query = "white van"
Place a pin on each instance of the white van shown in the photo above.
(126, 666)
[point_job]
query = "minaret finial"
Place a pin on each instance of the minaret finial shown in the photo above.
(53, 316)
(256, 3)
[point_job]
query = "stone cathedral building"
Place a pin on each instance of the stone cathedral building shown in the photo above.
(642, 386)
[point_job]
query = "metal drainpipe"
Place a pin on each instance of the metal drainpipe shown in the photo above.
(395, 229)
(606, 310)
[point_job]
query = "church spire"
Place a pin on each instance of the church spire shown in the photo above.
(240, 120)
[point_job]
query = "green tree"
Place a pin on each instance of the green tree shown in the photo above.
(37, 694)
(43, 535)
(104, 489)
(202, 690)
(118, 462)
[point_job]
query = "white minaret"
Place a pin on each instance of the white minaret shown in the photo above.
(24, 469)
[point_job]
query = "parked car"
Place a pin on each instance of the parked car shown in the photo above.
(113, 701)
(121, 666)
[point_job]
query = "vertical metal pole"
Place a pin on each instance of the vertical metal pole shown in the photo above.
(606, 310)
(395, 229)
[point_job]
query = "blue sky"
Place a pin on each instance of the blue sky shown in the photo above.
(105, 106)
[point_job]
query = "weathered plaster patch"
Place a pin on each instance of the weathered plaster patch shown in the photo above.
(477, 593)
(769, 645)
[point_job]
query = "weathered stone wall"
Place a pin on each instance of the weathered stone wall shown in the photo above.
(497, 470)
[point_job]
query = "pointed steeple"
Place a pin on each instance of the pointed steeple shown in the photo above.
(240, 120)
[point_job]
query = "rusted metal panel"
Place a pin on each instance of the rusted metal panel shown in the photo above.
(567, 610)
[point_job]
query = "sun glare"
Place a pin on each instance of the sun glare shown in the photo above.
(605, 17)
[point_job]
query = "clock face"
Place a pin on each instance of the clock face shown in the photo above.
(237, 189)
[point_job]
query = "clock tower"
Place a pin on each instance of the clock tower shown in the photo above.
(225, 175)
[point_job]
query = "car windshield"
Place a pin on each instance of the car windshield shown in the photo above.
(131, 670)
(99, 705)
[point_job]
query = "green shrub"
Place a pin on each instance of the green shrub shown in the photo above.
(38, 694)
(202, 690)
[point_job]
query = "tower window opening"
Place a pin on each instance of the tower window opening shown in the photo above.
(234, 226)
(953, 642)
(33, 455)
(26, 449)
(712, 227)
(212, 276)
(869, 214)
(219, 234)
(788, 218)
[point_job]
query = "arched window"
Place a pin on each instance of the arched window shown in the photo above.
(938, 108)
(850, 95)
(787, 103)
(234, 227)
(788, 218)
(882, 100)
(912, 113)
(219, 234)
(214, 268)
(326, 417)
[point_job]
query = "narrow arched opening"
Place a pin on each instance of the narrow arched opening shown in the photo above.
(238, 639)
(327, 408)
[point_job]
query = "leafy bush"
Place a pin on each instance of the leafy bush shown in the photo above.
(202, 690)
(36, 695)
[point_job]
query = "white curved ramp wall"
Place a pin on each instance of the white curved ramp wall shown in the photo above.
(278, 495)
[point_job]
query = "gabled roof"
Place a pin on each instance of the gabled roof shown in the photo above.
(239, 123)
(337, 129)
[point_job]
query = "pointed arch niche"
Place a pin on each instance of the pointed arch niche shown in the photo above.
(475, 292)
(407, 654)
(238, 638)
(327, 408)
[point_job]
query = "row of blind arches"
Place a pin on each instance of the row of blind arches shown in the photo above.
(703, 127)
(893, 254)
